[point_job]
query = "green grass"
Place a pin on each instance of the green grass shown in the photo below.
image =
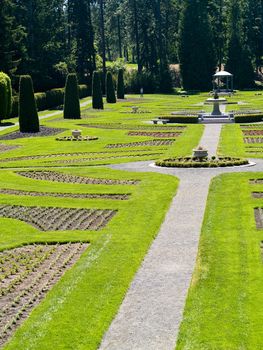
(224, 306)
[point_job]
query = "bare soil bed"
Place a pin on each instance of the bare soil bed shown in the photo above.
(256, 181)
(67, 178)
(80, 160)
(56, 155)
(154, 134)
(253, 132)
(44, 131)
(142, 143)
(257, 194)
(66, 195)
(259, 218)
(59, 219)
(77, 139)
(27, 274)
(253, 139)
(119, 126)
(6, 148)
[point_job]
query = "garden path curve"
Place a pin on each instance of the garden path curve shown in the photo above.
(152, 310)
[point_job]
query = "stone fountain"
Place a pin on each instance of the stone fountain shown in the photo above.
(216, 113)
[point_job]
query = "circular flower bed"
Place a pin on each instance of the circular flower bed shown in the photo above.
(190, 162)
(80, 138)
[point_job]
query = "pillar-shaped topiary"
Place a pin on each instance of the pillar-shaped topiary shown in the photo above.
(71, 100)
(120, 85)
(5, 96)
(110, 92)
(28, 116)
(97, 101)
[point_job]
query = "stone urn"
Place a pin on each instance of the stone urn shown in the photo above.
(76, 133)
(200, 153)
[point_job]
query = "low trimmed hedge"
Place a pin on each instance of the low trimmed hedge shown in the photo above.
(248, 118)
(181, 119)
(190, 162)
(49, 99)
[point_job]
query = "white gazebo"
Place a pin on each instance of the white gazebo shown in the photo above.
(223, 82)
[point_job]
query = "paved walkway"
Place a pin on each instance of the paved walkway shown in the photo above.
(152, 310)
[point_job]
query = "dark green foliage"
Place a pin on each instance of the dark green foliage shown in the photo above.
(55, 97)
(71, 101)
(83, 91)
(181, 119)
(97, 101)
(166, 84)
(110, 92)
(41, 101)
(15, 102)
(239, 61)
(120, 85)
(28, 116)
(5, 96)
(196, 51)
(248, 118)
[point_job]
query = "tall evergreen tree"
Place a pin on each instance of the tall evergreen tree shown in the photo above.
(120, 85)
(238, 56)
(196, 51)
(28, 116)
(110, 92)
(71, 100)
(97, 101)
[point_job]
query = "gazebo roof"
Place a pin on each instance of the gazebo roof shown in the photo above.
(223, 73)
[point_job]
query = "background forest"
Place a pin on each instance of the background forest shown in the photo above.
(49, 38)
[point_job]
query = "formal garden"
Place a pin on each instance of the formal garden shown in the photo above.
(131, 160)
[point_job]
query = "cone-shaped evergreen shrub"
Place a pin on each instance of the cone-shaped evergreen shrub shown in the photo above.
(71, 100)
(5, 96)
(110, 92)
(97, 101)
(120, 85)
(28, 116)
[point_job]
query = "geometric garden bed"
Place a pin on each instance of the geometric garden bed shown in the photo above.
(27, 274)
(59, 219)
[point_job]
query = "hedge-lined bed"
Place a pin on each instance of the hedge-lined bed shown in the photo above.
(190, 162)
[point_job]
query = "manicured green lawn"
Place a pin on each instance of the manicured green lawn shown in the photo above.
(224, 307)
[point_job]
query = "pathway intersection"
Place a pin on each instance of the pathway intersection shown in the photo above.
(151, 313)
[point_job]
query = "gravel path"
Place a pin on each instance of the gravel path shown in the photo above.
(151, 313)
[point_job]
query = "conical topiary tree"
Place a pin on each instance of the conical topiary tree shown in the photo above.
(97, 101)
(5, 96)
(120, 85)
(110, 92)
(28, 116)
(71, 99)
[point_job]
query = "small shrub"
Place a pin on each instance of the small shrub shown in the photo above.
(28, 117)
(181, 119)
(83, 91)
(54, 98)
(71, 101)
(97, 101)
(41, 101)
(110, 93)
(5, 96)
(120, 85)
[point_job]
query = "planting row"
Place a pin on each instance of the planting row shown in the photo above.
(79, 160)
(6, 148)
(59, 219)
(111, 196)
(67, 178)
(27, 274)
(190, 162)
(56, 155)
(142, 143)
(259, 218)
(119, 126)
(253, 139)
(252, 132)
(155, 134)
(44, 131)
(80, 138)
